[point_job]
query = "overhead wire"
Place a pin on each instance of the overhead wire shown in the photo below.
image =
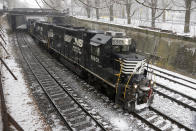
(39, 5)
(43, 1)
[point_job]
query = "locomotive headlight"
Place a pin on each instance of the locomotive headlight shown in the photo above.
(135, 86)
(152, 83)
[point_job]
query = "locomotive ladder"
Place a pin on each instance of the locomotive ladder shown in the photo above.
(118, 75)
(118, 80)
(126, 86)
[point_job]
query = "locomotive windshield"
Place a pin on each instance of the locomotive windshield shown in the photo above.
(120, 48)
(121, 44)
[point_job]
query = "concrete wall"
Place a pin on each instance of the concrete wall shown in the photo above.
(16, 20)
(176, 53)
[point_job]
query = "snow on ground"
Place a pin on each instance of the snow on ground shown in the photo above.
(19, 100)
(172, 109)
(177, 28)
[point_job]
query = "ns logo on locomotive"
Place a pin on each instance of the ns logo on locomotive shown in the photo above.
(106, 59)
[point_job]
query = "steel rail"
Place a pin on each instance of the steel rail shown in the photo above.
(177, 92)
(156, 128)
(100, 125)
(65, 122)
(175, 81)
(175, 100)
(171, 119)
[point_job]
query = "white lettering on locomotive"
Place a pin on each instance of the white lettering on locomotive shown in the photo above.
(67, 38)
(41, 28)
(78, 42)
(94, 58)
(77, 50)
(50, 33)
(38, 28)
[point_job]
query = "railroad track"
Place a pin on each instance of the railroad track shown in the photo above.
(180, 98)
(160, 125)
(160, 121)
(177, 79)
(174, 95)
(73, 114)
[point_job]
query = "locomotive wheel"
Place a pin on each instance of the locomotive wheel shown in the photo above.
(130, 106)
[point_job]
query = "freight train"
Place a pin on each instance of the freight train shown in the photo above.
(106, 59)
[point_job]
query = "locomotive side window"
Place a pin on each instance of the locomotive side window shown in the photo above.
(95, 50)
(125, 48)
(50, 33)
(116, 48)
(41, 29)
(37, 28)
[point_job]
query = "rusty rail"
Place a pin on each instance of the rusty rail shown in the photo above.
(3, 39)
(8, 68)
(4, 48)
(3, 108)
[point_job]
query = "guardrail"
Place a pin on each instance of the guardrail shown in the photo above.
(6, 117)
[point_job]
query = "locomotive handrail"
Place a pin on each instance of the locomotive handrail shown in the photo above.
(127, 84)
(119, 74)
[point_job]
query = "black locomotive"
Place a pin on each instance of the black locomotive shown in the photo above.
(107, 59)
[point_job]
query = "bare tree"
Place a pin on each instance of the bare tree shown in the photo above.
(111, 12)
(128, 8)
(156, 12)
(123, 11)
(188, 8)
(130, 11)
(97, 3)
(153, 12)
(164, 12)
(88, 9)
(188, 4)
(129, 4)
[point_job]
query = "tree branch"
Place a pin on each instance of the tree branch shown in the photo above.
(143, 3)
